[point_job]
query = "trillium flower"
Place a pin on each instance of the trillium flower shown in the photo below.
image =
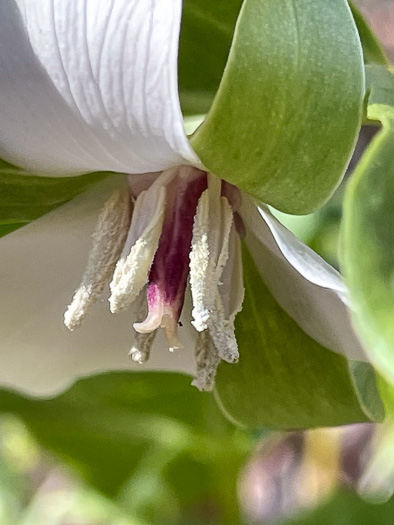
(92, 86)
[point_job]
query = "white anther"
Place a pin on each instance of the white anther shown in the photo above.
(132, 270)
(199, 259)
(209, 254)
(108, 240)
(228, 303)
(207, 359)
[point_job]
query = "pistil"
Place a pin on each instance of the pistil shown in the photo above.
(169, 272)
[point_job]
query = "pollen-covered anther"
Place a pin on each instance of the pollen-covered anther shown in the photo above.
(132, 270)
(207, 360)
(228, 303)
(199, 260)
(222, 332)
(108, 240)
(209, 254)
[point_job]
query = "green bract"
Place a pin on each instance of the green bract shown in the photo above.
(287, 113)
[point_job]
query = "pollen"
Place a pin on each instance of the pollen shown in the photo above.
(108, 240)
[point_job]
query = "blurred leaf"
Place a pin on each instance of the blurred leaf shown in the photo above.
(127, 434)
(286, 116)
(372, 48)
(376, 482)
(24, 198)
(285, 379)
(367, 234)
(346, 508)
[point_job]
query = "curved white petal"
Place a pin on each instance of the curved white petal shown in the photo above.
(306, 261)
(306, 287)
(40, 267)
(91, 85)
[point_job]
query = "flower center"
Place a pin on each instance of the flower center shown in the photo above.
(184, 225)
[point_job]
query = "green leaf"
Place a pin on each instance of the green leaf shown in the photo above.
(367, 234)
(286, 380)
(372, 48)
(285, 119)
(346, 508)
(380, 83)
(206, 36)
(132, 435)
(25, 197)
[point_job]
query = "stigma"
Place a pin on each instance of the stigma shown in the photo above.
(167, 231)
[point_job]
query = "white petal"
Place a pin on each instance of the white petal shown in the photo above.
(306, 261)
(90, 85)
(306, 287)
(41, 265)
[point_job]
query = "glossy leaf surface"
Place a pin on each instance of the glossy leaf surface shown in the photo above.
(285, 119)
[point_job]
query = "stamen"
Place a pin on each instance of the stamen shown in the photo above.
(140, 351)
(108, 239)
(132, 270)
(209, 254)
(229, 301)
(208, 360)
(182, 224)
(222, 331)
(199, 257)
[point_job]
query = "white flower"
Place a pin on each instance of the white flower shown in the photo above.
(91, 85)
